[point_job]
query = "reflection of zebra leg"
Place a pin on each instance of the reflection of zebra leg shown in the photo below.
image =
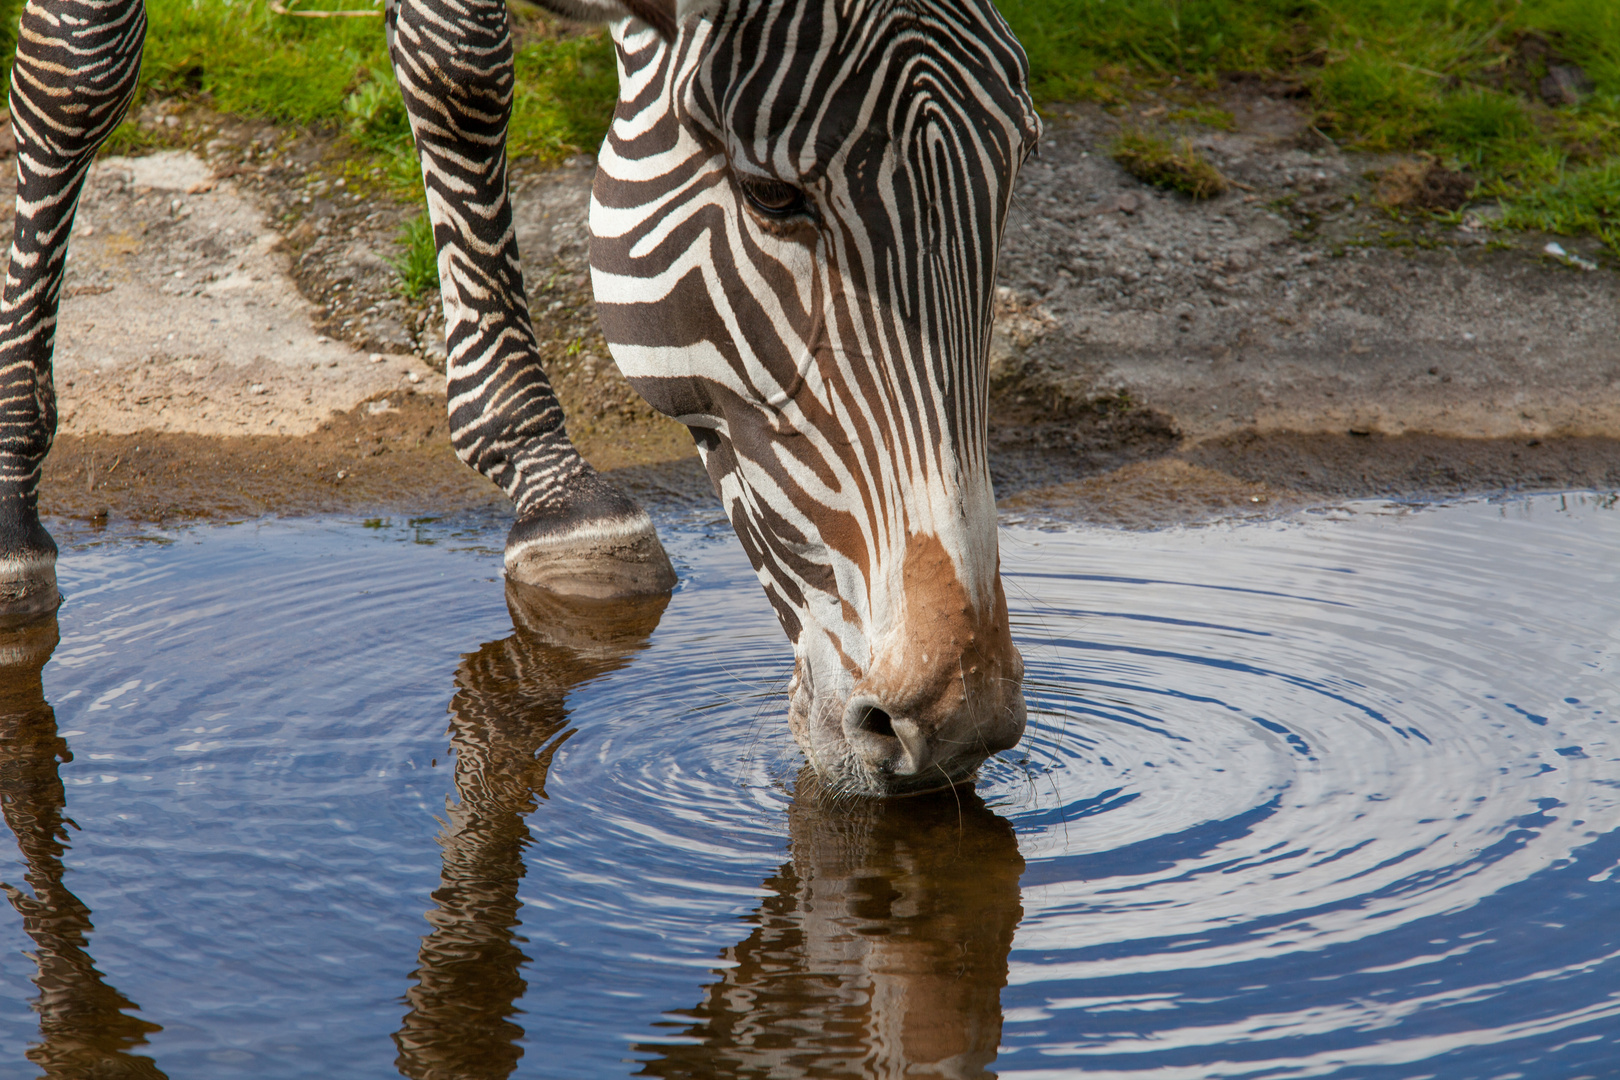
(507, 719)
(882, 950)
(74, 72)
(576, 533)
(84, 1024)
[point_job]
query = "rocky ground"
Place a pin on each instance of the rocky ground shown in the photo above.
(1294, 302)
(233, 340)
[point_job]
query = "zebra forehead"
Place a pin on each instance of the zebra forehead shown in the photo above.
(783, 54)
(793, 85)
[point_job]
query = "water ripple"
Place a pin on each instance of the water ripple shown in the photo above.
(1298, 798)
(1338, 813)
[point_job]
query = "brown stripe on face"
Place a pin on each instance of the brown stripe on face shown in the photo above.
(944, 665)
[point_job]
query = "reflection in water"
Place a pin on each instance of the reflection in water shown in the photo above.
(881, 952)
(507, 719)
(1312, 798)
(86, 1030)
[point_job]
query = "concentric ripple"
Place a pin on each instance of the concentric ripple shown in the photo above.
(1316, 798)
(1335, 795)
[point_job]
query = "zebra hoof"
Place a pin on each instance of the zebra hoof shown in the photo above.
(27, 575)
(581, 551)
(27, 590)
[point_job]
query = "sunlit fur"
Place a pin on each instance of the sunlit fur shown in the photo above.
(832, 364)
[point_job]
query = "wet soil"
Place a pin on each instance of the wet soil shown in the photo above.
(1371, 465)
(234, 342)
(390, 453)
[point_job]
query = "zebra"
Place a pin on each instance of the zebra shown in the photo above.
(795, 225)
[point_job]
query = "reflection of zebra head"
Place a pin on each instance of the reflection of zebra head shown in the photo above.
(794, 230)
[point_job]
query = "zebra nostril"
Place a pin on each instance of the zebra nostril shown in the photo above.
(875, 721)
(885, 743)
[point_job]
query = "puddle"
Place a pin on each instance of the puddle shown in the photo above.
(1332, 794)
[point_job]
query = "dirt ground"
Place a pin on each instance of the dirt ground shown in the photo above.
(233, 343)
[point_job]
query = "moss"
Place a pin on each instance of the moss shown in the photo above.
(1176, 166)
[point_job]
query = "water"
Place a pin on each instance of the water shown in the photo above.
(1329, 796)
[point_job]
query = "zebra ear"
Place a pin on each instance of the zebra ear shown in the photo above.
(664, 16)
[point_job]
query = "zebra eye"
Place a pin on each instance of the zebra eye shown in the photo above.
(772, 197)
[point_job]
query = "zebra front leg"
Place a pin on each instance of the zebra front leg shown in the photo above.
(76, 67)
(576, 533)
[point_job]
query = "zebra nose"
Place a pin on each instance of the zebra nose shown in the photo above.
(886, 743)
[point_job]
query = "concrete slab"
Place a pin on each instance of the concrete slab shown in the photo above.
(180, 315)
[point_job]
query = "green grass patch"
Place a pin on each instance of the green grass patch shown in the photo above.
(1582, 201)
(1080, 47)
(10, 16)
(418, 261)
(249, 61)
(1177, 166)
(1464, 81)
(1211, 116)
(566, 91)
(130, 138)
(1461, 80)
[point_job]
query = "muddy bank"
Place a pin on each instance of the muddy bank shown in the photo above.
(233, 341)
(391, 455)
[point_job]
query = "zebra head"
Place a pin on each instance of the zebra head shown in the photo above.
(795, 225)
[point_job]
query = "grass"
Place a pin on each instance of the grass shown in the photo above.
(242, 58)
(252, 62)
(418, 261)
(1177, 166)
(1456, 79)
(1584, 201)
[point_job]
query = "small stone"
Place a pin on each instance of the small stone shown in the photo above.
(1556, 250)
(258, 388)
(413, 376)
